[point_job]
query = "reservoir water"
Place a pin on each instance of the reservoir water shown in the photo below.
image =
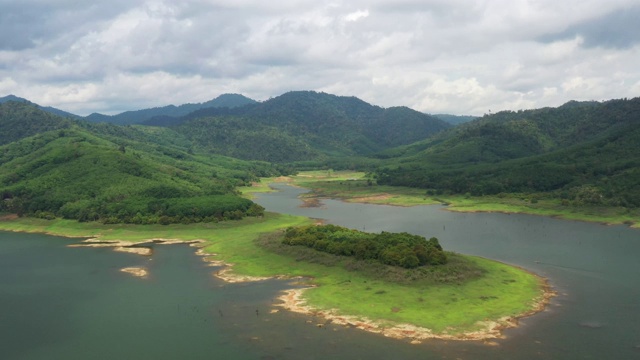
(74, 303)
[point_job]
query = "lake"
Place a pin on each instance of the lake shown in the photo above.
(74, 303)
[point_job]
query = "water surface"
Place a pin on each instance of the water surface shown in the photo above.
(74, 303)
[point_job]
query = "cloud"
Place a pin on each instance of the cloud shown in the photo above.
(452, 56)
(617, 29)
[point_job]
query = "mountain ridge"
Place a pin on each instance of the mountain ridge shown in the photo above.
(142, 115)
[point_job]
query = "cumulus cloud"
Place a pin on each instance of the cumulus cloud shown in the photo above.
(453, 56)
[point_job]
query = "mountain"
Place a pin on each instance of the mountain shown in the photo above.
(171, 111)
(85, 171)
(48, 109)
(577, 148)
(304, 125)
(455, 119)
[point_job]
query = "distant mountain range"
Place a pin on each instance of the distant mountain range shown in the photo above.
(140, 116)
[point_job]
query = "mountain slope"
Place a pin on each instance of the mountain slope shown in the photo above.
(565, 150)
(19, 119)
(121, 174)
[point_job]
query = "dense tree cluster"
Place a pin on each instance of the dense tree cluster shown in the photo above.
(396, 249)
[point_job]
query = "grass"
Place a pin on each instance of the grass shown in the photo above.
(445, 308)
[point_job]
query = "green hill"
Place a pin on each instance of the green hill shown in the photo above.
(118, 174)
(22, 119)
(573, 151)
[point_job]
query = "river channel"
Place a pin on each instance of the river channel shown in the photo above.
(74, 303)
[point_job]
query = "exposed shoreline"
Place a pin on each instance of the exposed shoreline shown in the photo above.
(136, 271)
(293, 300)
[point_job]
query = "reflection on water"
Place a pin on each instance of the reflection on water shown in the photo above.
(74, 303)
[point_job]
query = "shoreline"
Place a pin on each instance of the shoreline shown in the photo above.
(378, 199)
(371, 200)
(293, 300)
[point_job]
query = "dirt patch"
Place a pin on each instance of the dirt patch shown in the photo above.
(311, 203)
(285, 179)
(134, 250)
(371, 199)
(8, 217)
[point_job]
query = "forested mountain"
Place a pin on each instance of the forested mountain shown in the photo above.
(578, 150)
(171, 111)
(584, 152)
(305, 125)
(48, 109)
(20, 119)
(117, 174)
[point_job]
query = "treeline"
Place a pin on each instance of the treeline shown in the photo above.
(140, 210)
(396, 249)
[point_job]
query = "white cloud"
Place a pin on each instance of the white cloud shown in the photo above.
(455, 56)
(357, 15)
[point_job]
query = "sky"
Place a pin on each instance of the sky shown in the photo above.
(461, 57)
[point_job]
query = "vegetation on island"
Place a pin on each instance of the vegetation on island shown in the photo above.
(396, 249)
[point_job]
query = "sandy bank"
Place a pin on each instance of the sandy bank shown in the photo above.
(136, 271)
(130, 247)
